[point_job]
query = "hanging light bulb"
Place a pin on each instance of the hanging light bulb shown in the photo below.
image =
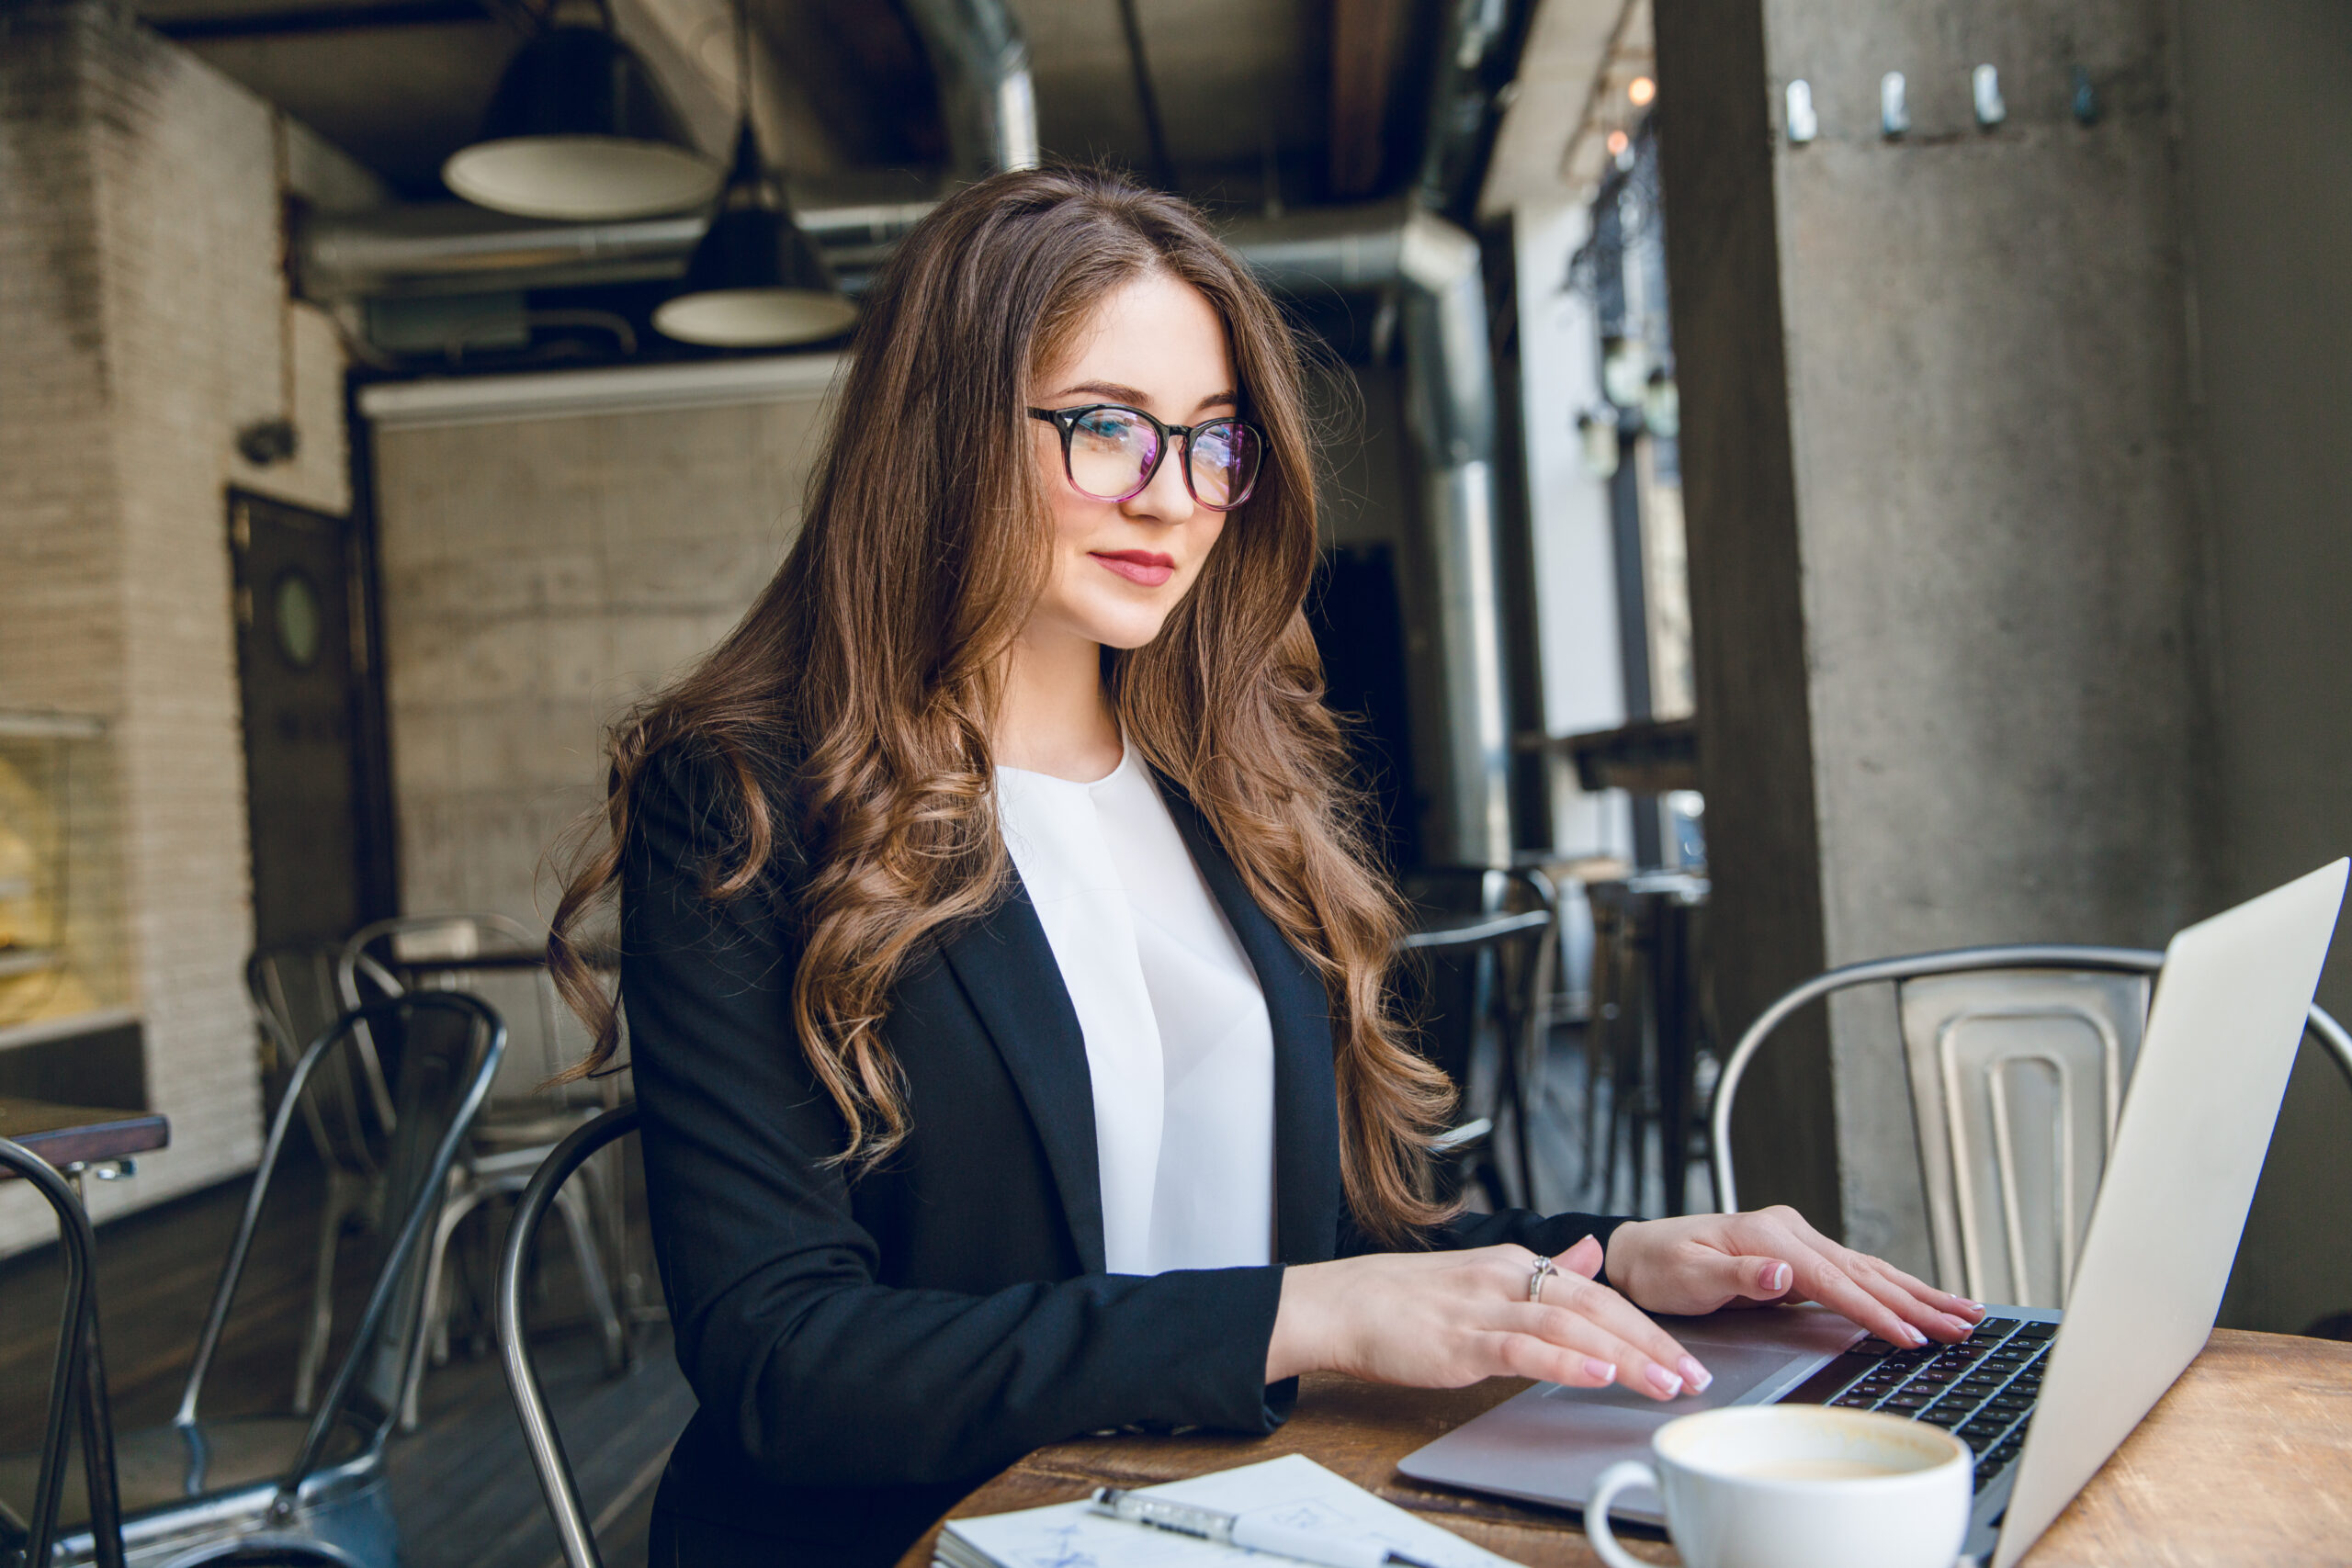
(755, 281)
(580, 130)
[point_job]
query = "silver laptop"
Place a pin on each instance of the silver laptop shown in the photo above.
(2041, 1402)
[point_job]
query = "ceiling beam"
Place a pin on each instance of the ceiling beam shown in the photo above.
(1365, 36)
(324, 19)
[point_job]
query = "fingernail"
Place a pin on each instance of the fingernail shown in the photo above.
(1777, 1277)
(1666, 1382)
(1599, 1371)
(1974, 1309)
(1698, 1376)
(1914, 1335)
(1960, 1323)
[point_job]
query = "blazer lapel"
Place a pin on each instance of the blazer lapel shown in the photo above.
(1306, 1100)
(1008, 974)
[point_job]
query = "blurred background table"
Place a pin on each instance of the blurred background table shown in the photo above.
(80, 1134)
(2248, 1460)
(99, 1140)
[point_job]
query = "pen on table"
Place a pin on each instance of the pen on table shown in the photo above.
(1258, 1534)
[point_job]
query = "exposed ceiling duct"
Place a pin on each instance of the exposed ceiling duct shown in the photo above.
(985, 92)
(450, 248)
(1434, 266)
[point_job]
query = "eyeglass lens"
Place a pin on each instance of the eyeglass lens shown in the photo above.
(1113, 451)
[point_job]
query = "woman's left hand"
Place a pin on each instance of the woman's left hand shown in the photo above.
(1706, 1261)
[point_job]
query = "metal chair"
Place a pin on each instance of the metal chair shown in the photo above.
(26, 1542)
(2017, 1058)
(199, 1490)
(554, 1467)
(346, 1107)
(1482, 957)
(519, 1126)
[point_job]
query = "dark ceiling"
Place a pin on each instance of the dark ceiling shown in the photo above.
(1235, 101)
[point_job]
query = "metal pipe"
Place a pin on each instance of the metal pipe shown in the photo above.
(453, 248)
(984, 94)
(1453, 420)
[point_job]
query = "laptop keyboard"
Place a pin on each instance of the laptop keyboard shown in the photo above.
(1981, 1390)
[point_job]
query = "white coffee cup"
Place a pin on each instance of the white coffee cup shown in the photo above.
(1798, 1486)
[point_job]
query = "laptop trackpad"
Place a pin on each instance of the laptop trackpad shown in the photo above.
(1550, 1443)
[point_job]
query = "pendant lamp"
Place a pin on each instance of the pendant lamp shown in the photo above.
(755, 281)
(579, 129)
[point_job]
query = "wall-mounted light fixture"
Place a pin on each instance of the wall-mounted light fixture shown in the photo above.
(580, 130)
(1984, 94)
(1894, 106)
(1802, 123)
(755, 281)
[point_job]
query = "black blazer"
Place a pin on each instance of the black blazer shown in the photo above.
(865, 1352)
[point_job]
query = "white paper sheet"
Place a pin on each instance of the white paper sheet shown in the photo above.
(1071, 1535)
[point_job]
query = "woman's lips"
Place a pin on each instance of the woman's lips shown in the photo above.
(1148, 568)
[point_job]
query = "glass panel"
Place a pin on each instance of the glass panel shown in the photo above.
(1109, 452)
(60, 951)
(1224, 462)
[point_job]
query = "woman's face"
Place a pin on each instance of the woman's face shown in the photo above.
(1154, 343)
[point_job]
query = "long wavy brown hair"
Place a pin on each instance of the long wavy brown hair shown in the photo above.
(850, 708)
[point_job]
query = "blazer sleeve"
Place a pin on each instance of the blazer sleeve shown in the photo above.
(822, 1374)
(1550, 1235)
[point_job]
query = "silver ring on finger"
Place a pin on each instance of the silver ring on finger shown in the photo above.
(1543, 1270)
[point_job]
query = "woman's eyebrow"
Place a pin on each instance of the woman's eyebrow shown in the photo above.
(1116, 393)
(1109, 389)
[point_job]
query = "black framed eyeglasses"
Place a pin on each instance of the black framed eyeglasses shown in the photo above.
(1110, 452)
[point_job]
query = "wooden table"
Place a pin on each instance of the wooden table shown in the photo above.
(72, 1137)
(80, 1134)
(2248, 1460)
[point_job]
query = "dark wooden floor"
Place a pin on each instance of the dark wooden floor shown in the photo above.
(462, 1487)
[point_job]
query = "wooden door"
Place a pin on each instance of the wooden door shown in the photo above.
(312, 790)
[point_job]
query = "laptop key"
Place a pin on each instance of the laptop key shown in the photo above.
(2036, 1330)
(1942, 1417)
(1856, 1400)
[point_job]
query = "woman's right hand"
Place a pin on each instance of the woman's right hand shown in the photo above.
(1447, 1319)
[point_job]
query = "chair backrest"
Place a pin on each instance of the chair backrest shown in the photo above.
(440, 1051)
(2018, 1059)
(346, 1106)
(1483, 958)
(554, 1467)
(492, 955)
(78, 1251)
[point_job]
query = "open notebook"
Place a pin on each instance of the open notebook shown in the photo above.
(1071, 1535)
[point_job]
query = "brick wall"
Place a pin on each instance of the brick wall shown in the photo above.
(542, 570)
(143, 306)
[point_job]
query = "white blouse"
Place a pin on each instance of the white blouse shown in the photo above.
(1177, 1040)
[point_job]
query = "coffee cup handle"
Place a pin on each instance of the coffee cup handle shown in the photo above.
(1616, 1479)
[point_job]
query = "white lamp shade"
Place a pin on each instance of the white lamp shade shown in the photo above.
(582, 178)
(755, 318)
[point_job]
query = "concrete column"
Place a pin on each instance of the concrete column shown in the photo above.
(1945, 564)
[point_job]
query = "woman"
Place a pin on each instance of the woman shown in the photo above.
(1006, 983)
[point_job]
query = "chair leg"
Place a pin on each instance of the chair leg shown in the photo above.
(572, 1204)
(315, 1334)
(433, 1311)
